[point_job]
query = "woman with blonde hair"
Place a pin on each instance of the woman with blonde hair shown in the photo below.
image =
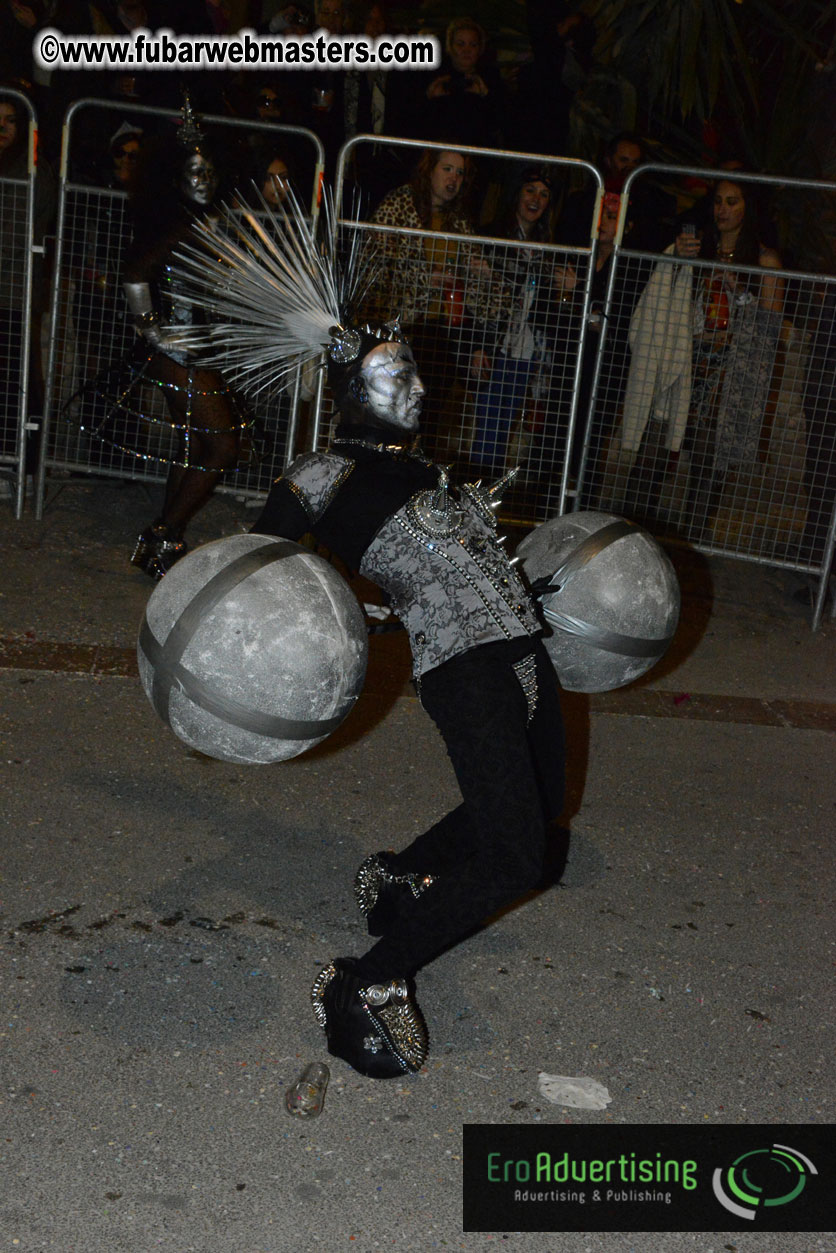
(464, 99)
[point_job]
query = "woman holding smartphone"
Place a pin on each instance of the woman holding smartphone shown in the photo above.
(737, 320)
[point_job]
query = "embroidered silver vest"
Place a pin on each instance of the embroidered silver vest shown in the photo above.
(439, 560)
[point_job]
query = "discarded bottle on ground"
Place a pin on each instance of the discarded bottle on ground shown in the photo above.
(305, 1099)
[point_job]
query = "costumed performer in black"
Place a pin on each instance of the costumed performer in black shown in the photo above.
(480, 670)
(181, 183)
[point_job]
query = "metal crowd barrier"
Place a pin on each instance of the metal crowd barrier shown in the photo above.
(725, 440)
(713, 418)
(92, 336)
(498, 326)
(18, 330)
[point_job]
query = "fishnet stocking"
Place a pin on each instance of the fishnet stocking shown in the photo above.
(197, 400)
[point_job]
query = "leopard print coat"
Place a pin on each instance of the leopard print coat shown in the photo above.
(409, 261)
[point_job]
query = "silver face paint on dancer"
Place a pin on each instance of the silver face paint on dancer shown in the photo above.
(395, 392)
(199, 180)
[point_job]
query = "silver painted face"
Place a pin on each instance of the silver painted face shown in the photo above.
(395, 392)
(199, 180)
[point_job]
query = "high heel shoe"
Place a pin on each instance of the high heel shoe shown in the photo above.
(377, 1028)
(157, 549)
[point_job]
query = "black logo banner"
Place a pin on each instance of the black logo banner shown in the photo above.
(649, 1177)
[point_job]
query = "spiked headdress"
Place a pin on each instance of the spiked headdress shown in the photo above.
(277, 295)
(190, 134)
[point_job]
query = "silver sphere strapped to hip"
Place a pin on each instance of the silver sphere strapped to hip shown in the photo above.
(252, 649)
(609, 594)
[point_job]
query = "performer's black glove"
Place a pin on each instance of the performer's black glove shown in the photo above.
(542, 586)
(147, 321)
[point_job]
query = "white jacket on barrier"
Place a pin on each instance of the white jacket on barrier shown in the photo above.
(661, 340)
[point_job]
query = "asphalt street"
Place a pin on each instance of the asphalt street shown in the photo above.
(162, 916)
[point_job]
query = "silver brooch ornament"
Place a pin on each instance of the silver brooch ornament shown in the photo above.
(345, 344)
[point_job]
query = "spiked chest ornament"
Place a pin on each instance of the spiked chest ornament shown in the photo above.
(488, 499)
(435, 513)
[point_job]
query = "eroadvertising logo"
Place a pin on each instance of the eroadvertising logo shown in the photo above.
(762, 1177)
(648, 1177)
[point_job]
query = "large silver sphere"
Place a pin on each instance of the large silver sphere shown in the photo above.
(252, 649)
(615, 606)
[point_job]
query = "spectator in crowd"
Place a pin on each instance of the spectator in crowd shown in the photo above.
(612, 374)
(623, 154)
(286, 19)
(14, 244)
(267, 180)
(274, 100)
(463, 100)
(508, 365)
(324, 109)
(19, 23)
(374, 106)
(737, 319)
(104, 152)
(274, 179)
(124, 152)
(651, 210)
(268, 104)
(93, 256)
(561, 56)
(435, 199)
(439, 285)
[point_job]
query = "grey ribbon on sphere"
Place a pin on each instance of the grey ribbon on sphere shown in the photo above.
(165, 659)
(610, 641)
(595, 543)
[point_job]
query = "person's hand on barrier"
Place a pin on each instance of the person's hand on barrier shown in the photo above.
(480, 365)
(441, 278)
(565, 279)
(479, 267)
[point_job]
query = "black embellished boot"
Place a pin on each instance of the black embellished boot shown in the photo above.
(376, 1027)
(380, 893)
(157, 549)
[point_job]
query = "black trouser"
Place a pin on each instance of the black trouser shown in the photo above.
(490, 849)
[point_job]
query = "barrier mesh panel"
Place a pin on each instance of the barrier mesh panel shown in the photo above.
(108, 418)
(14, 252)
(714, 416)
(496, 331)
(108, 413)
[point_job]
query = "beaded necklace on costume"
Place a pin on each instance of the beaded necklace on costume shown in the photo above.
(397, 450)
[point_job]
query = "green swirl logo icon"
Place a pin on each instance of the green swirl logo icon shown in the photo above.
(762, 1178)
